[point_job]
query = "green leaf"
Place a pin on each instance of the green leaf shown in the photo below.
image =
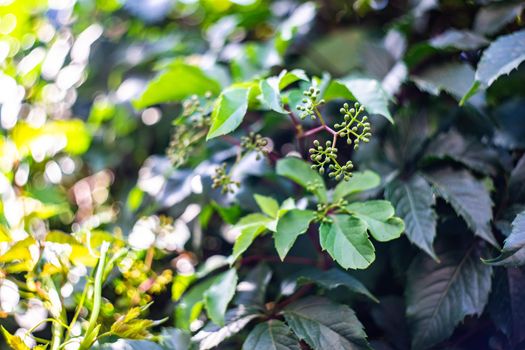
(507, 305)
(513, 252)
(19, 251)
(211, 264)
(501, 57)
(508, 259)
(220, 293)
(173, 338)
(389, 316)
(516, 239)
(178, 82)
(368, 92)
(466, 150)
(229, 110)
(440, 295)
(271, 94)
(190, 306)
(4, 234)
(130, 326)
(14, 342)
(490, 19)
(334, 278)
(347, 242)
(91, 337)
(80, 254)
(413, 200)
(379, 217)
(299, 171)
(252, 290)
(229, 214)
(453, 78)
(517, 177)
(458, 39)
(290, 226)
(268, 205)
(288, 204)
(250, 227)
(469, 198)
(359, 182)
(324, 325)
(180, 284)
(271, 88)
(293, 98)
(330, 51)
(510, 130)
(271, 335)
(235, 320)
(286, 78)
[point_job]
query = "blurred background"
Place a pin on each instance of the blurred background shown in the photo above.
(76, 154)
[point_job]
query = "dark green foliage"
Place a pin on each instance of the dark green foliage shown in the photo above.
(440, 295)
(325, 325)
(260, 174)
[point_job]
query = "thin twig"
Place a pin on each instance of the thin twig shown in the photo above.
(231, 140)
(314, 131)
(297, 295)
(290, 260)
(319, 115)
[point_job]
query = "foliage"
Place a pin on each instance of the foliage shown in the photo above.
(262, 174)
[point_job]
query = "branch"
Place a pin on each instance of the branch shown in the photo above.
(314, 131)
(290, 260)
(297, 295)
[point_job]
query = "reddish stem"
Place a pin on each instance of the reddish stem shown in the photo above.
(231, 140)
(290, 259)
(297, 295)
(322, 263)
(295, 121)
(331, 131)
(273, 157)
(314, 131)
(298, 131)
(319, 128)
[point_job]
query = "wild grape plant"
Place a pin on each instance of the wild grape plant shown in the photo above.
(271, 140)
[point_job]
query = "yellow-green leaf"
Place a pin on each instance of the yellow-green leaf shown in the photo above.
(179, 81)
(14, 342)
(229, 110)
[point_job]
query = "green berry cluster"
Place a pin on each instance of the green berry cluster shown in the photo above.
(322, 156)
(323, 209)
(341, 171)
(327, 155)
(190, 129)
(194, 105)
(185, 138)
(221, 179)
(309, 104)
(254, 142)
(313, 186)
(355, 130)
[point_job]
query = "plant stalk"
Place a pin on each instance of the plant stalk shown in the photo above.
(97, 297)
